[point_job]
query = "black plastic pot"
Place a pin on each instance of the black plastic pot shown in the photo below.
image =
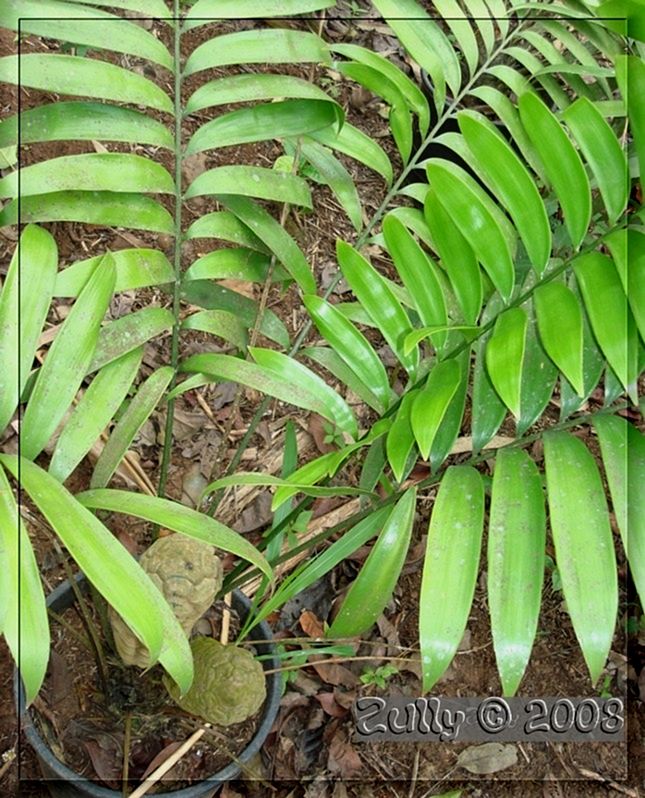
(65, 783)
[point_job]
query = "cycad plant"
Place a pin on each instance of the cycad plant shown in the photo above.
(508, 281)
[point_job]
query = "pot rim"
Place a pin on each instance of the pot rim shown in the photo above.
(271, 705)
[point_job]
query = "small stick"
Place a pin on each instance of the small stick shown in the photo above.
(524, 754)
(226, 620)
(340, 661)
(126, 755)
(415, 775)
(204, 406)
(590, 774)
(9, 758)
(172, 760)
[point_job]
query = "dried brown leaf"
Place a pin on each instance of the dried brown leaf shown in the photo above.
(334, 673)
(318, 428)
(331, 706)
(311, 624)
(343, 760)
(107, 757)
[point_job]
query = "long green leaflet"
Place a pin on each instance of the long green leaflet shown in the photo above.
(516, 539)
(176, 517)
(67, 361)
(583, 545)
(373, 587)
(23, 614)
(143, 403)
(450, 569)
(37, 256)
(93, 413)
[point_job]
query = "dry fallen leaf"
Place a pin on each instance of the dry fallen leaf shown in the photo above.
(306, 685)
(193, 166)
(340, 790)
(345, 699)
(243, 287)
(487, 758)
(256, 515)
(107, 756)
(333, 673)
(329, 704)
(318, 428)
(411, 665)
(343, 758)
(193, 485)
(317, 789)
(311, 624)
(390, 633)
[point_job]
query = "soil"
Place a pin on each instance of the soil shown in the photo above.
(310, 751)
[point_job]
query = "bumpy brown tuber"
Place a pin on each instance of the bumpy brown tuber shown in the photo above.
(229, 684)
(188, 573)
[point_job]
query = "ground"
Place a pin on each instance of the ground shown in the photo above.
(312, 736)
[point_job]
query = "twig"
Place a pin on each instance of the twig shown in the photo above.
(589, 774)
(415, 774)
(126, 754)
(226, 620)
(9, 758)
(138, 474)
(204, 406)
(172, 760)
(523, 752)
(341, 661)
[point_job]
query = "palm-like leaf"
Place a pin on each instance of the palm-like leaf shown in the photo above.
(503, 249)
(496, 260)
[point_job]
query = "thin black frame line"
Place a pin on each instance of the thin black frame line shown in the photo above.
(545, 18)
(19, 469)
(332, 19)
